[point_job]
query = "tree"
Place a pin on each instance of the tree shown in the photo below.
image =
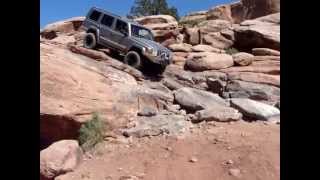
(152, 7)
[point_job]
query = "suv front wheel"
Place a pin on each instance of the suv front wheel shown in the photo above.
(133, 59)
(90, 41)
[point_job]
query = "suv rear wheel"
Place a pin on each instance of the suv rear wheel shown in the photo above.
(90, 41)
(133, 59)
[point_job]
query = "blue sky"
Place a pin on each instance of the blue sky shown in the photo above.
(55, 10)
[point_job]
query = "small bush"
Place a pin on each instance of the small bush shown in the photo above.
(232, 51)
(91, 132)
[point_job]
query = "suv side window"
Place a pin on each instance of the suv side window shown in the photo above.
(95, 15)
(121, 26)
(107, 20)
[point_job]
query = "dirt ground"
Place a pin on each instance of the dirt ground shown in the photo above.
(207, 152)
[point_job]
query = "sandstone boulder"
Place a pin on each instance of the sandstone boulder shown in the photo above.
(163, 26)
(265, 52)
(68, 26)
(206, 48)
(263, 32)
(242, 59)
(192, 36)
(152, 98)
(194, 99)
(208, 61)
(217, 113)
(214, 26)
(180, 47)
(216, 40)
(254, 110)
(254, 91)
(59, 158)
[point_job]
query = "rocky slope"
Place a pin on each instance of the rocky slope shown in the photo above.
(208, 82)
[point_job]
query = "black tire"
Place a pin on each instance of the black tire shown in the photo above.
(90, 41)
(133, 59)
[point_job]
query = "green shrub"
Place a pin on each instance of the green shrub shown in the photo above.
(91, 132)
(232, 51)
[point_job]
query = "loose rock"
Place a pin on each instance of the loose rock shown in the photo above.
(194, 99)
(208, 61)
(59, 158)
(218, 113)
(242, 59)
(235, 172)
(253, 109)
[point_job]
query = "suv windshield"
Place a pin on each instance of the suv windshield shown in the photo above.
(141, 32)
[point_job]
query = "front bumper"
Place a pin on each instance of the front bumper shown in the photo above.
(159, 60)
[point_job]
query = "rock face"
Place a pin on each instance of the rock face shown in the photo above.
(194, 18)
(72, 87)
(208, 61)
(194, 100)
(218, 113)
(253, 109)
(59, 158)
(163, 26)
(257, 8)
(68, 26)
(263, 32)
(242, 59)
(223, 12)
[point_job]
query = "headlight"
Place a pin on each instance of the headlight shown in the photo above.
(151, 51)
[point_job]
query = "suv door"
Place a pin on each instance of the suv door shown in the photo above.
(120, 34)
(106, 30)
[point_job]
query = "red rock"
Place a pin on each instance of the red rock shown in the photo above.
(266, 67)
(59, 158)
(208, 61)
(72, 87)
(68, 26)
(256, 78)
